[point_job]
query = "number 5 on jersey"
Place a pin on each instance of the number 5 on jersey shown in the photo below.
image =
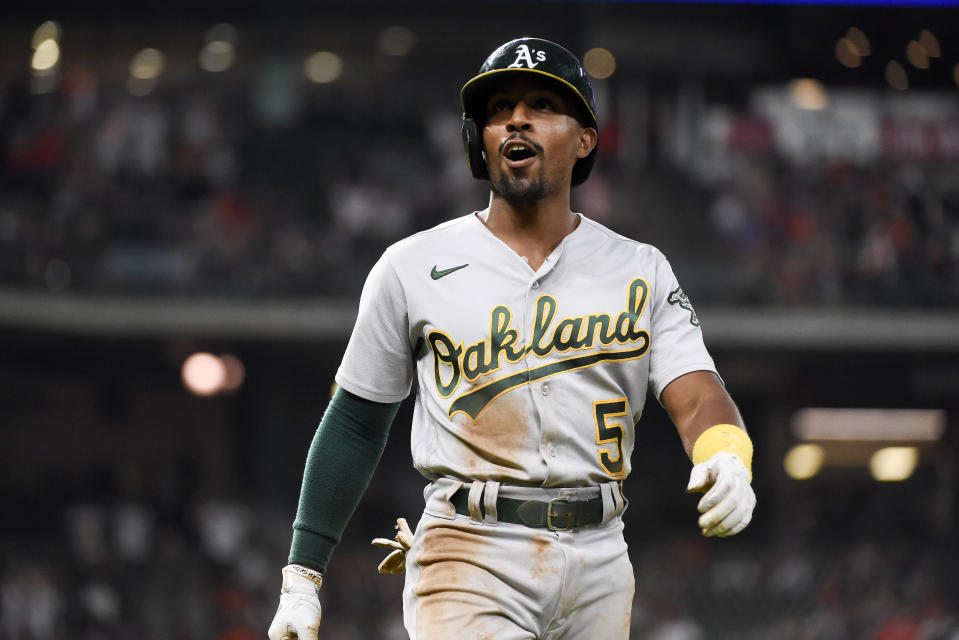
(606, 433)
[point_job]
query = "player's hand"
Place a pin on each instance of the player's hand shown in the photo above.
(298, 617)
(395, 563)
(728, 504)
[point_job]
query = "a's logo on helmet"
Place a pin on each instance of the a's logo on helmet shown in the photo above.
(524, 57)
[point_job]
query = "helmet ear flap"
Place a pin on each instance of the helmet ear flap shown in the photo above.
(473, 145)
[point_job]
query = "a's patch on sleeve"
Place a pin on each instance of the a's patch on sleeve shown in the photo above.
(678, 296)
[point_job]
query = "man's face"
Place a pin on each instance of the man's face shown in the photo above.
(532, 140)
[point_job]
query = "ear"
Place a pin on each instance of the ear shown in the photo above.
(587, 142)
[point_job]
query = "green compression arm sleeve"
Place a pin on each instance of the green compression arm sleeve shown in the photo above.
(341, 461)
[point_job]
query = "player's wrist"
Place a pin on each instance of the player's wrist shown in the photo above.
(726, 438)
(300, 579)
(299, 612)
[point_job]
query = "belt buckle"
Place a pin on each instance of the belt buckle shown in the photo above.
(550, 514)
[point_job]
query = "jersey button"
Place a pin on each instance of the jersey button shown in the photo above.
(545, 389)
(553, 452)
(536, 284)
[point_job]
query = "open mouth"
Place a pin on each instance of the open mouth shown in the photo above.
(518, 153)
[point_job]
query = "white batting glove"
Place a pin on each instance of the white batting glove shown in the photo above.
(728, 504)
(395, 563)
(298, 617)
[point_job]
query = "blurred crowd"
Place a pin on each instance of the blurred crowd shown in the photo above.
(689, 590)
(211, 186)
(839, 233)
(186, 191)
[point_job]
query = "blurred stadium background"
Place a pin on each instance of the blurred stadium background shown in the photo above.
(192, 194)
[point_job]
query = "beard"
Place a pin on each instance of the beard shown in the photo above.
(520, 189)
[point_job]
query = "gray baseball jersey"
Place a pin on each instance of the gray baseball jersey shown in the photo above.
(524, 377)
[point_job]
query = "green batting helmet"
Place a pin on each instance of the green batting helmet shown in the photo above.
(528, 56)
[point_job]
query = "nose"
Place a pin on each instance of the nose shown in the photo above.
(519, 118)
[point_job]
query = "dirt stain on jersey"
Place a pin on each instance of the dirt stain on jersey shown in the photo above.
(500, 433)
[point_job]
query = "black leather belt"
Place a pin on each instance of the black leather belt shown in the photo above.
(558, 514)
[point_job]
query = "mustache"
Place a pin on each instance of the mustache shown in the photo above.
(516, 136)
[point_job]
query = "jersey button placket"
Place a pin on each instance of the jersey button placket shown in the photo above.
(548, 451)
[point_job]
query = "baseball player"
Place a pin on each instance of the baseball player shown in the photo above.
(533, 333)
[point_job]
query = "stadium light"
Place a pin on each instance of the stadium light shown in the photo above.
(46, 56)
(217, 56)
(599, 63)
(893, 464)
(887, 442)
(203, 374)
(323, 67)
(147, 64)
(804, 461)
